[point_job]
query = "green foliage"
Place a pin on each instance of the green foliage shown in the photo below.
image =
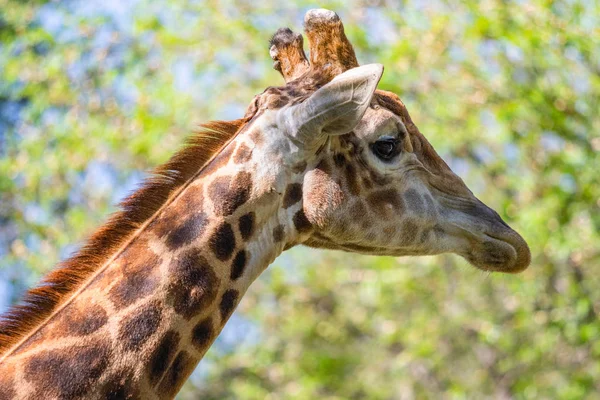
(507, 92)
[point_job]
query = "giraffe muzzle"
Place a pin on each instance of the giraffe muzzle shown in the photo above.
(512, 246)
(500, 248)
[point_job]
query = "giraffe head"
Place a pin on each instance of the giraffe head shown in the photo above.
(372, 183)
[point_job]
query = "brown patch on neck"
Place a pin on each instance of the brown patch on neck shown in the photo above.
(7, 388)
(41, 302)
(181, 368)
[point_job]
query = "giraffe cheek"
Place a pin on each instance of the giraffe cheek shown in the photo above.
(322, 197)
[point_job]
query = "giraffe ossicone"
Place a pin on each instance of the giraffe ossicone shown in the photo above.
(326, 160)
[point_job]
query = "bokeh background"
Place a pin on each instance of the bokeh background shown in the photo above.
(93, 94)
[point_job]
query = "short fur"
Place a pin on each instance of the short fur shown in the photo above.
(39, 303)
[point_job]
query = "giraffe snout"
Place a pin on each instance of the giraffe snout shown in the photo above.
(520, 256)
(502, 249)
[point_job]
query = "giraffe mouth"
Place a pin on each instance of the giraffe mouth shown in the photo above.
(492, 245)
(501, 251)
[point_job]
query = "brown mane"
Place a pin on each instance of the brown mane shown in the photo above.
(40, 302)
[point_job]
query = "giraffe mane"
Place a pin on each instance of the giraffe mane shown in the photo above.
(40, 302)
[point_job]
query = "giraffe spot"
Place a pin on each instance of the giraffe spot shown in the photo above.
(243, 154)
(278, 233)
(133, 287)
(121, 386)
(136, 330)
(193, 284)
(139, 278)
(139, 255)
(256, 137)
(293, 194)
(190, 200)
(238, 265)
(352, 180)
(202, 334)
(228, 194)
(339, 159)
(189, 203)
(246, 225)
(228, 303)
(191, 228)
(220, 160)
(409, 231)
(438, 231)
(424, 235)
(176, 375)
(67, 373)
(414, 201)
(162, 356)
(301, 223)
(222, 242)
(80, 320)
(386, 203)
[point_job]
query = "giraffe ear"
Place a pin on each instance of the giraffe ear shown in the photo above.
(336, 108)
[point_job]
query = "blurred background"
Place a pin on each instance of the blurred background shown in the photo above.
(93, 94)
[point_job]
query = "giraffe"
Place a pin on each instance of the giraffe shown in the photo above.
(326, 160)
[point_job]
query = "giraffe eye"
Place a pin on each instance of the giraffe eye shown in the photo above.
(385, 148)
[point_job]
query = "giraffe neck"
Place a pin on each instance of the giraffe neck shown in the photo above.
(141, 325)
